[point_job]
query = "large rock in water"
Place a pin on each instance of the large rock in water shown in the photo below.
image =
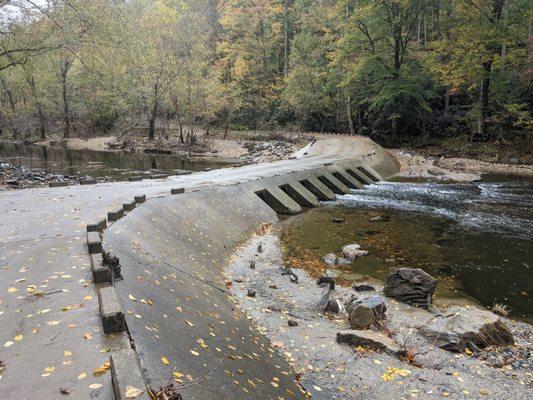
(411, 286)
(353, 251)
(463, 327)
(366, 312)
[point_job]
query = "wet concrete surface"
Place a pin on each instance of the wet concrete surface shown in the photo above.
(42, 233)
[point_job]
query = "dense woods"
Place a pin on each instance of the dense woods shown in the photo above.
(392, 69)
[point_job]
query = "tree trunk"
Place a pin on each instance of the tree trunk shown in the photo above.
(502, 59)
(65, 67)
(529, 61)
(350, 114)
(287, 34)
(151, 129)
(446, 102)
(39, 106)
(484, 100)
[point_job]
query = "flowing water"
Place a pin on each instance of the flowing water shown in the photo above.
(115, 165)
(475, 238)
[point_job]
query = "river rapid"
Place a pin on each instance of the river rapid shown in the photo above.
(476, 238)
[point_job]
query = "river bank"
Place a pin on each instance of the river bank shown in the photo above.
(408, 366)
(417, 166)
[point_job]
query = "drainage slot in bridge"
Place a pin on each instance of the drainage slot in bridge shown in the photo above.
(343, 179)
(357, 177)
(367, 173)
(299, 196)
(319, 194)
(273, 202)
(330, 184)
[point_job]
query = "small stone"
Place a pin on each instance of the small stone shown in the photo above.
(252, 264)
(260, 248)
(238, 280)
(366, 312)
(363, 288)
(369, 339)
(326, 279)
(251, 293)
(338, 220)
(292, 322)
(334, 306)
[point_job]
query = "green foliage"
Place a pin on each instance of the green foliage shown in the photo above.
(390, 68)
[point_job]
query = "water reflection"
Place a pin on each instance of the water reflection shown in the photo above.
(476, 238)
(117, 166)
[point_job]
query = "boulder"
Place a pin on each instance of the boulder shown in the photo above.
(366, 312)
(353, 251)
(369, 339)
(464, 327)
(411, 286)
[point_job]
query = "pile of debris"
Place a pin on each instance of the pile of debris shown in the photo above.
(259, 152)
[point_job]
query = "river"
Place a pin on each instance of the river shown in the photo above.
(475, 238)
(116, 166)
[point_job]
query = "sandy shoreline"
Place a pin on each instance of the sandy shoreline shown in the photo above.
(329, 370)
(453, 169)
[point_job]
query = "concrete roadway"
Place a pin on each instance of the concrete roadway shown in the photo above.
(51, 339)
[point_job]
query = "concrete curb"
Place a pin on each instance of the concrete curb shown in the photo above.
(101, 272)
(88, 182)
(94, 244)
(129, 206)
(97, 226)
(177, 191)
(113, 318)
(182, 172)
(115, 215)
(140, 198)
(126, 371)
(57, 184)
(135, 178)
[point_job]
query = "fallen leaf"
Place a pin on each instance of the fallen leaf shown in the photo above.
(132, 392)
(165, 361)
(83, 375)
(95, 386)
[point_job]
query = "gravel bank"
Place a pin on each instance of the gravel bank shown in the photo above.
(329, 370)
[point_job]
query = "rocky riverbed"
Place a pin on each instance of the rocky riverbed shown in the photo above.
(17, 177)
(396, 358)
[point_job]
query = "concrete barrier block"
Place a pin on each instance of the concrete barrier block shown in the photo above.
(101, 272)
(135, 178)
(126, 371)
(362, 178)
(280, 202)
(113, 319)
(333, 183)
(98, 226)
(94, 244)
(139, 199)
(371, 173)
(177, 191)
(115, 215)
(88, 181)
(159, 176)
(345, 178)
(129, 206)
(321, 191)
(300, 194)
(57, 184)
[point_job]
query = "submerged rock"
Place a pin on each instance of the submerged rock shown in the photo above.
(369, 339)
(366, 312)
(363, 288)
(411, 286)
(353, 252)
(463, 327)
(332, 260)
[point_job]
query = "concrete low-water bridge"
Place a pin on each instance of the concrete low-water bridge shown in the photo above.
(72, 329)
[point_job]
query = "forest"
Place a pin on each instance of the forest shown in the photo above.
(391, 69)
